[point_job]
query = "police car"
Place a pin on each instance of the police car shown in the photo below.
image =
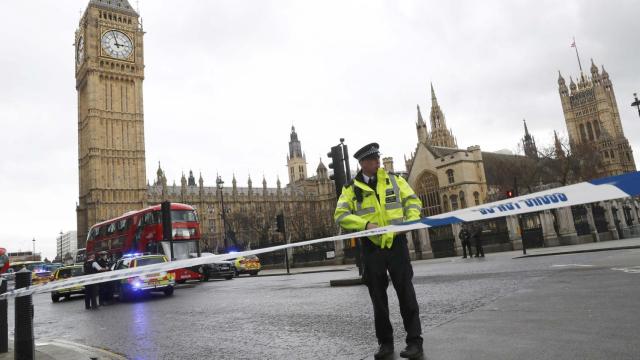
(135, 286)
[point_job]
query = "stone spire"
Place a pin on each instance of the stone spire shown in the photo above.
(558, 146)
(421, 128)
(295, 149)
(440, 135)
(192, 179)
(234, 183)
(529, 143)
(321, 171)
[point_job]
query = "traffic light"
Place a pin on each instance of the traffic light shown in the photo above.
(509, 194)
(280, 223)
(337, 164)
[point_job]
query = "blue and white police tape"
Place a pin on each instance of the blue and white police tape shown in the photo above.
(614, 187)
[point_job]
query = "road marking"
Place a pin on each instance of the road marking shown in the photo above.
(628, 270)
(571, 265)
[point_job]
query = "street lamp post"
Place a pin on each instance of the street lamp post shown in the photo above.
(61, 262)
(34, 249)
(219, 184)
(636, 103)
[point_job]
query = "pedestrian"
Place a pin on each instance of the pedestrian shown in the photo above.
(105, 289)
(465, 237)
(91, 291)
(477, 237)
(373, 199)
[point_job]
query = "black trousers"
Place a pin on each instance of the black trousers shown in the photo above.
(466, 244)
(479, 249)
(377, 262)
(90, 296)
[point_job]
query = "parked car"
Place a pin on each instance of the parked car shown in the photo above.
(249, 264)
(131, 287)
(218, 269)
(66, 272)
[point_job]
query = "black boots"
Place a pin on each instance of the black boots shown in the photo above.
(384, 351)
(412, 351)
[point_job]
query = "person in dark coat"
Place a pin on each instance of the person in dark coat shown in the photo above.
(465, 239)
(106, 288)
(91, 291)
(477, 237)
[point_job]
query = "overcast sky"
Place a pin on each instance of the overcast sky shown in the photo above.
(225, 80)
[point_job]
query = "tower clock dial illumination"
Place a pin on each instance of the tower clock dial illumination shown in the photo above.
(80, 50)
(116, 44)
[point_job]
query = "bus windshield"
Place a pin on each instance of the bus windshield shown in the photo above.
(181, 249)
(183, 216)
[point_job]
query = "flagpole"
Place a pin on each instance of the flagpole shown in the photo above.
(578, 56)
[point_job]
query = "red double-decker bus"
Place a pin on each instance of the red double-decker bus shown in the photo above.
(141, 232)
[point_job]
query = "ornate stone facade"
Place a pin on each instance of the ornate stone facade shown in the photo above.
(592, 117)
(307, 206)
(109, 75)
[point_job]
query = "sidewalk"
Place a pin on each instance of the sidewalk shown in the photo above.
(65, 350)
(633, 243)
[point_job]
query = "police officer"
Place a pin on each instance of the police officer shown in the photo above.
(465, 236)
(91, 291)
(373, 199)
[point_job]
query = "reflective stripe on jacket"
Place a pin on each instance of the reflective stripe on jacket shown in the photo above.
(396, 203)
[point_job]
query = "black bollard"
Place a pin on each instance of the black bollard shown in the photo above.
(4, 326)
(23, 342)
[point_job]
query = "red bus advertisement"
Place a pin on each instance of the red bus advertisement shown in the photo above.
(141, 232)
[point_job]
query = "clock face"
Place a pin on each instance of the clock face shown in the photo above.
(117, 44)
(80, 50)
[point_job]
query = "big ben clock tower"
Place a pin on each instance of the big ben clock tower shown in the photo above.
(109, 75)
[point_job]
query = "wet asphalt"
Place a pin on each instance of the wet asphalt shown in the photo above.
(302, 317)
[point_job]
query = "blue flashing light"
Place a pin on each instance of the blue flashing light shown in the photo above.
(137, 284)
(132, 255)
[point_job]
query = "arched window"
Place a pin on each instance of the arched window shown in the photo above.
(450, 177)
(445, 203)
(583, 134)
(427, 189)
(590, 131)
(454, 202)
(463, 201)
(476, 197)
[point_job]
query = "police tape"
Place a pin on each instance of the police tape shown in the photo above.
(614, 187)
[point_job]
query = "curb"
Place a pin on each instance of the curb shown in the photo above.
(580, 251)
(304, 272)
(67, 350)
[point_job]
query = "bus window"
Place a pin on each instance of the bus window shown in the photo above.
(148, 218)
(183, 216)
(94, 233)
(111, 228)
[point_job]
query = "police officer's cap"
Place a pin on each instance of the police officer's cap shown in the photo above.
(368, 152)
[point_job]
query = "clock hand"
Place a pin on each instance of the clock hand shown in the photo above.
(115, 38)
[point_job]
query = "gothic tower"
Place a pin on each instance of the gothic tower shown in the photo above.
(296, 160)
(440, 135)
(592, 118)
(109, 76)
(529, 143)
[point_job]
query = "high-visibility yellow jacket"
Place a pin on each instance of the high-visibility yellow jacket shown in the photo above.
(396, 203)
